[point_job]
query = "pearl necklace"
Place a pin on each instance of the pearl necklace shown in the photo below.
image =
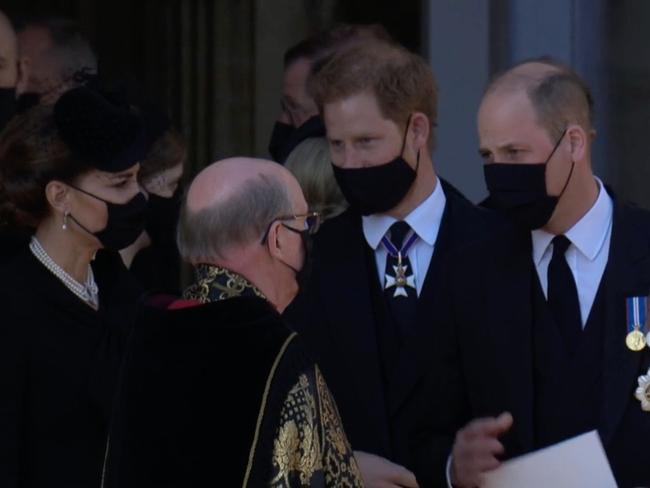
(87, 291)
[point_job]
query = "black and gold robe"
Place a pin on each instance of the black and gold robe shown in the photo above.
(218, 392)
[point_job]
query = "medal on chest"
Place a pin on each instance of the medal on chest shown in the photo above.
(402, 276)
(401, 280)
(636, 308)
(642, 393)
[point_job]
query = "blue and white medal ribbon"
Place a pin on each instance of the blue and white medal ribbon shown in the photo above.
(636, 308)
(398, 253)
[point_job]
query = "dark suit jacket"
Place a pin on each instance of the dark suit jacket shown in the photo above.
(337, 318)
(490, 319)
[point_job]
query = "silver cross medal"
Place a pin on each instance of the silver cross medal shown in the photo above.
(400, 281)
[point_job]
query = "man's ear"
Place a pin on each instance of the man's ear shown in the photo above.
(420, 130)
(58, 195)
(22, 82)
(578, 140)
(275, 241)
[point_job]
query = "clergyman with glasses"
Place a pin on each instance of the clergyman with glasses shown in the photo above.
(217, 388)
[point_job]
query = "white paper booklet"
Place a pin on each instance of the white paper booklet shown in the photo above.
(574, 463)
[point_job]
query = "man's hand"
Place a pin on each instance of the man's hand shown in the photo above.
(476, 449)
(378, 472)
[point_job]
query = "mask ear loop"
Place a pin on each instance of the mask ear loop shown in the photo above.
(401, 153)
(567, 180)
(406, 131)
(72, 217)
(573, 163)
(83, 227)
(557, 144)
(303, 238)
(88, 193)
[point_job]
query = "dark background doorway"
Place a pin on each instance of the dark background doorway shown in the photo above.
(214, 65)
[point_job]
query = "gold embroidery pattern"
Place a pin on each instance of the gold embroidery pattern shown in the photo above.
(296, 449)
(214, 283)
(263, 407)
(310, 448)
(340, 466)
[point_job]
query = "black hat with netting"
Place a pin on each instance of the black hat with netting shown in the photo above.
(101, 131)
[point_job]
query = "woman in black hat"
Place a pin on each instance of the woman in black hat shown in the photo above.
(69, 174)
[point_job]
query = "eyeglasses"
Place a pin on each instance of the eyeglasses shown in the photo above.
(312, 223)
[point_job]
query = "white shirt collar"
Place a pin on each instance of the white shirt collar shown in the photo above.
(587, 235)
(424, 220)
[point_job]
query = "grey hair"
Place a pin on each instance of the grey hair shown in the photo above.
(310, 163)
(236, 220)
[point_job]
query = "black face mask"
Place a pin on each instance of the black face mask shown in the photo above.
(303, 274)
(377, 189)
(8, 105)
(27, 101)
(519, 191)
(285, 137)
(279, 140)
(161, 217)
(125, 221)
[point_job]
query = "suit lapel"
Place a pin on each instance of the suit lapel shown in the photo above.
(349, 309)
(627, 269)
(509, 319)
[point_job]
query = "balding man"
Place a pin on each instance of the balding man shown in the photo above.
(217, 391)
(56, 58)
(549, 318)
(9, 70)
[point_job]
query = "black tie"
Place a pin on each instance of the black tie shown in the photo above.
(563, 294)
(399, 291)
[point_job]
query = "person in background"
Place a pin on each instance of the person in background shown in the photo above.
(216, 389)
(68, 174)
(299, 118)
(153, 258)
(55, 57)
(11, 71)
(310, 163)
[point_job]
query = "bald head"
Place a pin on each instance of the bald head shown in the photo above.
(223, 179)
(557, 94)
(231, 203)
(8, 53)
(524, 76)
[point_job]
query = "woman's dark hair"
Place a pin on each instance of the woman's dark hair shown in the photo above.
(166, 152)
(31, 155)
